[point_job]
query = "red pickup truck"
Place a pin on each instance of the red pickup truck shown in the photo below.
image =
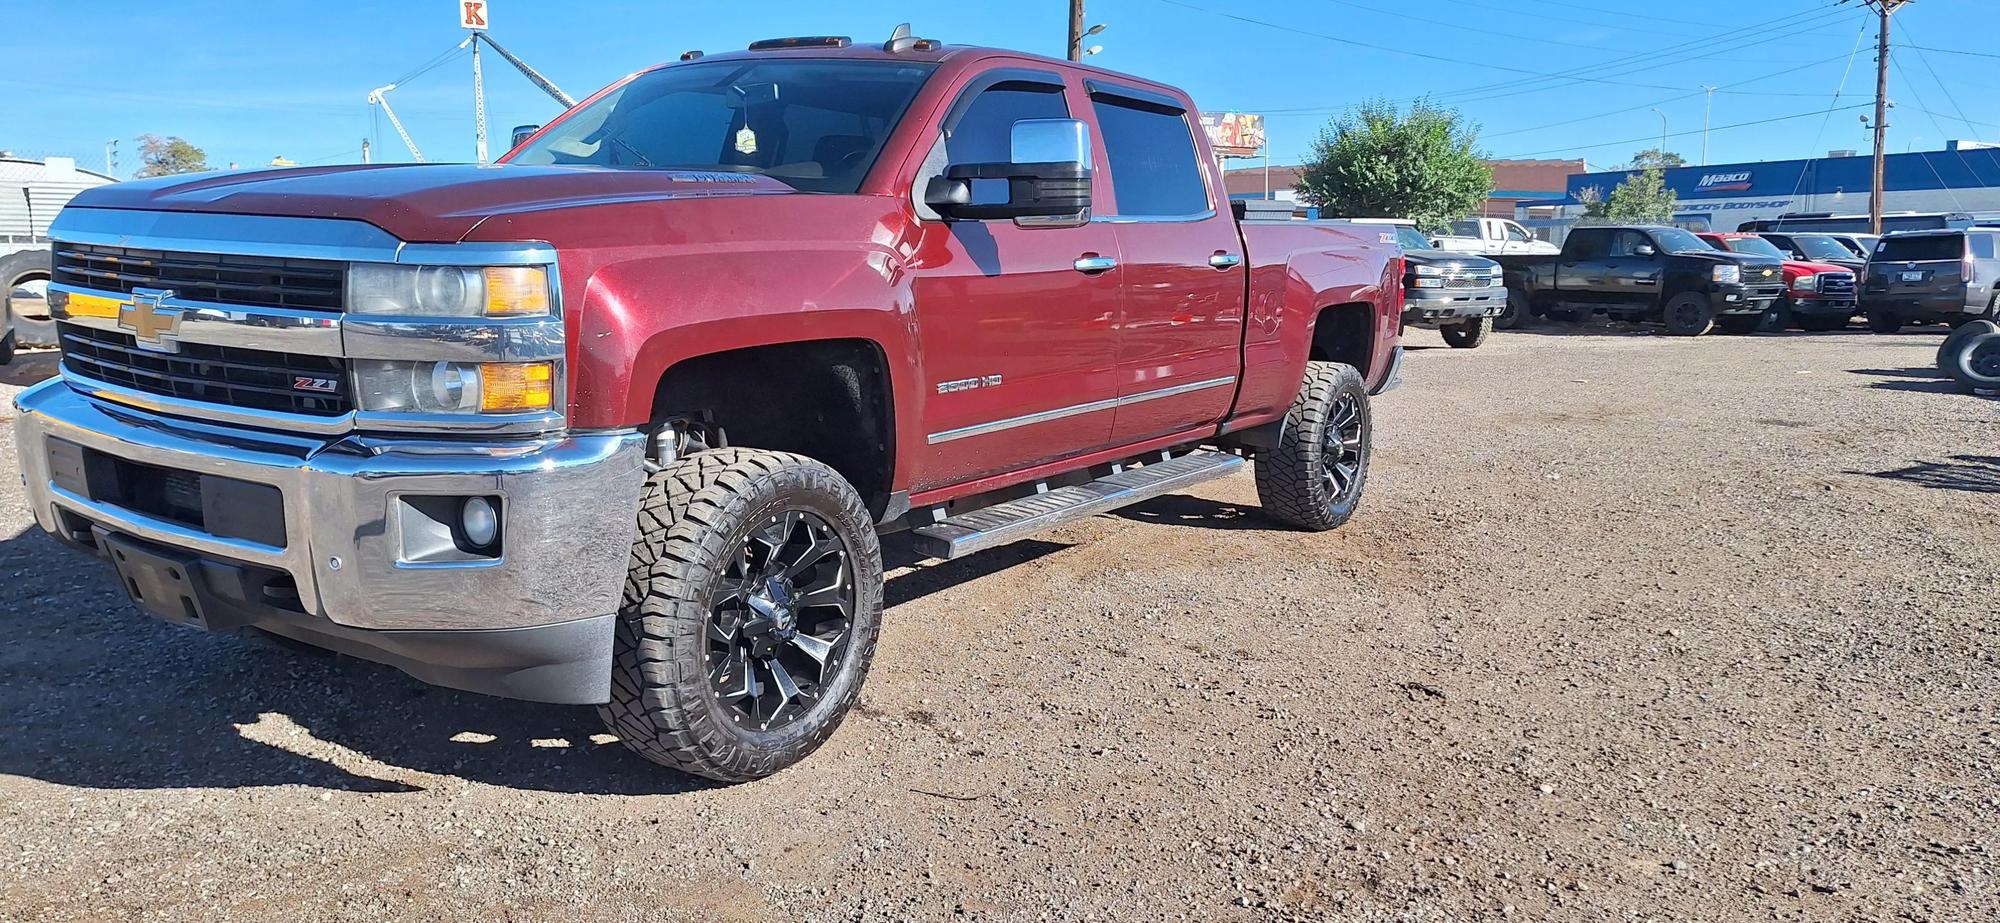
(621, 419)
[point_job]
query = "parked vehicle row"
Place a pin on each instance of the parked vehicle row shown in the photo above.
(1644, 273)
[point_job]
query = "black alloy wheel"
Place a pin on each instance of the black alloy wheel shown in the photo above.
(778, 627)
(1341, 455)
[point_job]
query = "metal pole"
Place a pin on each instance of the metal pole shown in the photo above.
(1663, 136)
(364, 151)
(478, 104)
(1076, 30)
(1267, 168)
(1882, 9)
(534, 76)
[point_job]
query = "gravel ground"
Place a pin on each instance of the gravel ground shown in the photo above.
(1629, 628)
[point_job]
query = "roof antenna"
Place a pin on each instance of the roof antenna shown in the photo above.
(900, 40)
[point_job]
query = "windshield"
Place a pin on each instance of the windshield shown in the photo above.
(1866, 242)
(1465, 229)
(815, 125)
(1675, 240)
(1757, 245)
(1411, 239)
(1821, 247)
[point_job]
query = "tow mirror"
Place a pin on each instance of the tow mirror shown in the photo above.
(1644, 250)
(1047, 177)
(523, 133)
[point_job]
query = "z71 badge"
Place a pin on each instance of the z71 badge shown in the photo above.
(316, 385)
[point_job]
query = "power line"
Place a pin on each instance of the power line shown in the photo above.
(1859, 37)
(1651, 137)
(1660, 102)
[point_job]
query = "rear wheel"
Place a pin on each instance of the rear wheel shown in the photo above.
(1688, 315)
(1947, 354)
(1977, 366)
(1467, 334)
(1881, 321)
(1313, 478)
(751, 610)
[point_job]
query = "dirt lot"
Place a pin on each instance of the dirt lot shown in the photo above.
(1629, 628)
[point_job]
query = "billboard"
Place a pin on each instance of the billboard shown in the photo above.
(1234, 134)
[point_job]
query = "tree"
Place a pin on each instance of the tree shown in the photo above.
(167, 156)
(1376, 162)
(1642, 198)
(1592, 199)
(1654, 157)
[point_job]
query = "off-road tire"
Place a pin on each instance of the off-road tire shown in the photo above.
(1688, 314)
(1291, 478)
(1517, 314)
(1740, 324)
(692, 516)
(1947, 353)
(1884, 322)
(1777, 318)
(6, 348)
(1977, 365)
(1821, 323)
(1467, 334)
(17, 269)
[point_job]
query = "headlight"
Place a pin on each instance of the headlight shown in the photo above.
(1806, 283)
(1728, 273)
(447, 291)
(453, 387)
(1423, 270)
(1427, 283)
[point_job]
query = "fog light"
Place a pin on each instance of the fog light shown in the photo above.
(480, 522)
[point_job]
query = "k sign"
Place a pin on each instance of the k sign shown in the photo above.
(472, 14)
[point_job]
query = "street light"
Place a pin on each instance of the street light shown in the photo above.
(1087, 52)
(1663, 133)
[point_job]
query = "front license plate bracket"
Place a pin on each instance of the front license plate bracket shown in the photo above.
(159, 582)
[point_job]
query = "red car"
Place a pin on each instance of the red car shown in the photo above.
(1818, 296)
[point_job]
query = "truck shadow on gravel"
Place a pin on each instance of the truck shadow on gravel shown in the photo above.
(1979, 474)
(98, 695)
(1921, 380)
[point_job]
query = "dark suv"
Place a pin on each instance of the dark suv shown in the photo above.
(1922, 276)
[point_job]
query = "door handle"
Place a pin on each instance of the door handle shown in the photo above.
(1224, 260)
(1093, 264)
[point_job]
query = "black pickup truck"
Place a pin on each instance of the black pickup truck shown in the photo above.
(1644, 273)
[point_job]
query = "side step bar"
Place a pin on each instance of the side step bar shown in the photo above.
(1005, 522)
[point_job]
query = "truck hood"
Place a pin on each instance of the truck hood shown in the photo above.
(420, 203)
(1748, 261)
(1447, 258)
(1813, 267)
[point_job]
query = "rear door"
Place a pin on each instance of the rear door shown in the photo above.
(1181, 329)
(1581, 266)
(1017, 324)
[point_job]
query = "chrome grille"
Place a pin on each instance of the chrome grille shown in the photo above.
(1836, 283)
(248, 378)
(255, 281)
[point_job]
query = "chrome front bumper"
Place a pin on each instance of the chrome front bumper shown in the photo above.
(569, 505)
(1447, 305)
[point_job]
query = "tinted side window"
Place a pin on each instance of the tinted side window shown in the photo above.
(1587, 244)
(1921, 247)
(985, 133)
(1982, 246)
(1154, 170)
(1627, 243)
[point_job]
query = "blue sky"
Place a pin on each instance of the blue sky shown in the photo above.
(248, 81)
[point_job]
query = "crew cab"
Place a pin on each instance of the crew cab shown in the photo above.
(1643, 272)
(621, 419)
(1818, 296)
(1490, 236)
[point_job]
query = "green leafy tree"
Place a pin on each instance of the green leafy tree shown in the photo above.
(167, 156)
(1642, 197)
(1653, 157)
(1376, 162)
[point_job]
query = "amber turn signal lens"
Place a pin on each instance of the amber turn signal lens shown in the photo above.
(513, 291)
(516, 387)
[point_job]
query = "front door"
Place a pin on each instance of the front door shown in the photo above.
(1017, 325)
(1180, 332)
(1630, 277)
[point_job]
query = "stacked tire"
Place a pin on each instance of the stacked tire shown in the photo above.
(1971, 356)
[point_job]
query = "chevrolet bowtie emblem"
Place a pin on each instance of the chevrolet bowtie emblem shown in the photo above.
(153, 323)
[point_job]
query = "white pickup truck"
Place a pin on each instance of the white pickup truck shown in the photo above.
(1491, 236)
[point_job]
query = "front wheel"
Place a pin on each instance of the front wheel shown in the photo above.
(1467, 334)
(751, 609)
(1313, 478)
(1516, 313)
(1688, 314)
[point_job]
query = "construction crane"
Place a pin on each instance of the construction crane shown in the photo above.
(375, 96)
(533, 75)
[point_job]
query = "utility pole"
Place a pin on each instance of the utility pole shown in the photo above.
(364, 151)
(478, 105)
(1076, 30)
(111, 157)
(1883, 10)
(1706, 107)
